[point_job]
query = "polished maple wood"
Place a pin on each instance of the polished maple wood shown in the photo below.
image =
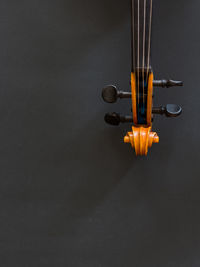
(150, 99)
(134, 101)
(141, 139)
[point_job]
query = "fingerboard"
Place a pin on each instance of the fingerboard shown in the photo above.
(141, 34)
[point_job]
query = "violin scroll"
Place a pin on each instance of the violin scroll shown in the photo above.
(141, 139)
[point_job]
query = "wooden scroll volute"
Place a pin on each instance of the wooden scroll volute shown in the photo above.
(141, 139)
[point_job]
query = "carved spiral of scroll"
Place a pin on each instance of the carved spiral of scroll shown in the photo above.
(141, 139)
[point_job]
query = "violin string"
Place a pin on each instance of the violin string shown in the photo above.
(138, 63)
(144, 32)
(133, 34)
(149, 42)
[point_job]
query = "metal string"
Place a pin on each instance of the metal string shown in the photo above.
(133, 34)
(149, 42)
(138, 71)
(144, 32)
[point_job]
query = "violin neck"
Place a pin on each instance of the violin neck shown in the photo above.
(141, 34)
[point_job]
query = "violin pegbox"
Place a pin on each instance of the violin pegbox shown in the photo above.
(141, 137)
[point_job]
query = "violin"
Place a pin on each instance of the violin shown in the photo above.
(141, 137)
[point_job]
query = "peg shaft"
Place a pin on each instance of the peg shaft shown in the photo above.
(170, 110)
(167, 83)
(110, 94)
(115, 119)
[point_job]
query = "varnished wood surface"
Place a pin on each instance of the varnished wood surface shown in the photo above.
(141, 139)
(134, 102)
(150, 99)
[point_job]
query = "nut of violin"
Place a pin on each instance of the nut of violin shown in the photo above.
(141, 139)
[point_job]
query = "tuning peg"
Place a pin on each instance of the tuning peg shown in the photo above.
(115, 118)
(170, 110)
(110, 94)
(167, 83)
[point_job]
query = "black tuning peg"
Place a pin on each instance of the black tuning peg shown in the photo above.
(170, 110)
(115, 118)
(110, 94)
(167, 83)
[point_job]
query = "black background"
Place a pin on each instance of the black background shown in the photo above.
(72, 194)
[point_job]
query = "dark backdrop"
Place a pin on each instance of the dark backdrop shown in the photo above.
(72, 194)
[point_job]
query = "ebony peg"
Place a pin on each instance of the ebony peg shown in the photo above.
(167, 83)
(170, 110)
(115, 118)
(110, 94)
